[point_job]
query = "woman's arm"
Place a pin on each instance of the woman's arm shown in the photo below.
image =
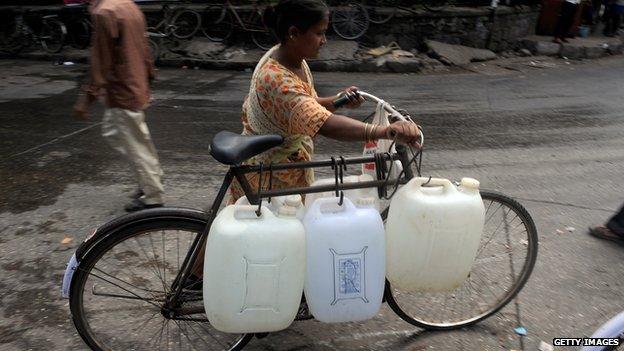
(348, 129)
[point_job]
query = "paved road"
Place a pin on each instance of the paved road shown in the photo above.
(552, 138)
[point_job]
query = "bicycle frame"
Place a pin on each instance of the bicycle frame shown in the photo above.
(238, 172)
(241, 23)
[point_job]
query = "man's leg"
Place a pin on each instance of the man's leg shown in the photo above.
(616, 223)
(127, 133)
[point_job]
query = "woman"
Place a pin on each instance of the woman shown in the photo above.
(282, 99)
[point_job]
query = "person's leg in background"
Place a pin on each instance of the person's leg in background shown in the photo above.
(613, 230)
(568, 10)
(127, 133)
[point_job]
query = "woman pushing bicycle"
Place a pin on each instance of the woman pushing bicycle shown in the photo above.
(282, 99)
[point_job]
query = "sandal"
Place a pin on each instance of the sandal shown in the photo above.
(605, 233)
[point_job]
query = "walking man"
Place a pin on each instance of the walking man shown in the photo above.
(121, 69)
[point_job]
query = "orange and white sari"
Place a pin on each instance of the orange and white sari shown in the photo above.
(280, 102)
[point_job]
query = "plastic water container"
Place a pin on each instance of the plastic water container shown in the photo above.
(433, 234)
(254, 269)
(277, 202)
(345, 272)
(352, 195)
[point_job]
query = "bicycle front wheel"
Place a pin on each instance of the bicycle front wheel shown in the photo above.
(350, 21)
(380, 12)
(504, 262)
(53, 34)
(185, 24)
(119, 288)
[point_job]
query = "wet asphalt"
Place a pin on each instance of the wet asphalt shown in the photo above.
(553, 138)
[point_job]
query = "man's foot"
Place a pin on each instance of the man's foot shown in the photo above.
(137, 194)
(603, 232)
(138, 205)
(565, 40)
(557, 41)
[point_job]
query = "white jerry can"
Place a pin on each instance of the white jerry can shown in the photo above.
(254, 268)
(352, 195)
(433, 233)
(345, 272)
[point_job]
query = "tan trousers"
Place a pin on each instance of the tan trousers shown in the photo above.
(127, 133)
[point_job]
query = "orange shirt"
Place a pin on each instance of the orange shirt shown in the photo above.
(121, 64)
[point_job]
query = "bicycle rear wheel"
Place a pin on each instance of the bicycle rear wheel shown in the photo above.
(260, 34)
(185, 23)
(350, 21)
(504, 262)
(52, 36)
(119, 288)
(217, 23)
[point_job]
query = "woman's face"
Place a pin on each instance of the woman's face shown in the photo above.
(309, 43)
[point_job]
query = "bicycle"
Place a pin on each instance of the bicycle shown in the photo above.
(613, 328)
(181, 22)
(220, 21)
(18, 34)
(117, 275)
(436, 5)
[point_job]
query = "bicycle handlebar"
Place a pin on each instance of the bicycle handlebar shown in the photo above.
(394, 114)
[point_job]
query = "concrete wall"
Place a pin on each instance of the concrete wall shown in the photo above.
(465, 26)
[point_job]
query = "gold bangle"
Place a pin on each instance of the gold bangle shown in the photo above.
(366, 125)
(373, 132)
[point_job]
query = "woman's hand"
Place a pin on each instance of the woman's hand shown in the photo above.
(405, 132)
(355, 100)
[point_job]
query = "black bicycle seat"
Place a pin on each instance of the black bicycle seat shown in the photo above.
(231, 148)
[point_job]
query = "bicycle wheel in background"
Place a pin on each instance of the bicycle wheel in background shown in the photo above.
(119, 288)
(380, 12)
(435, 5)
(504, 262)
(350, 20)
(12, 38)
(53, 33)
(80, 32)
(154, 48)
(260, 34)
(217, 23)
(185, 23)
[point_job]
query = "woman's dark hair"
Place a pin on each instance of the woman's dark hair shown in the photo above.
(302, 14)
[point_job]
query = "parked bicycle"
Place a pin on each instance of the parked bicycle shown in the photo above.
(131, 290)
(219, 22)
(29, 27)
(180, 22)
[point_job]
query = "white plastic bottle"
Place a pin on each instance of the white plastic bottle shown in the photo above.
(433, 234)
(346, 260)
(254, 268)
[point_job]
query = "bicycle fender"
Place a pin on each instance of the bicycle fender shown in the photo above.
(127, 220)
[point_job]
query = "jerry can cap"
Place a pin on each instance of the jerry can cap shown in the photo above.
(365, 201)
(470, 183)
